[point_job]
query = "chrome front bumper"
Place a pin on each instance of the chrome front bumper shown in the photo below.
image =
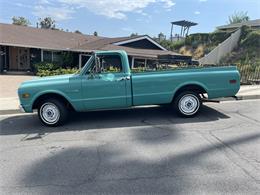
(21, 108)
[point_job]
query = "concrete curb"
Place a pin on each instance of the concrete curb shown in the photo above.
(238, 98)
(6, 112)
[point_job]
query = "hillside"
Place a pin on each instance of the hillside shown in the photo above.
(197, 44)
(246, 56)
(247, 51)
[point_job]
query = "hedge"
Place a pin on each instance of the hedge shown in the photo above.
(206, 38)
(49, 69)
(60, 71)
(252, 40)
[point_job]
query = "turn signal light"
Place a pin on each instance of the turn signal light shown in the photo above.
(25, 95)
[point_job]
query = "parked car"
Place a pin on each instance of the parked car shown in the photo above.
(108, 82)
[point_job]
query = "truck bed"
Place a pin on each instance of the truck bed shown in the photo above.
(151, 86)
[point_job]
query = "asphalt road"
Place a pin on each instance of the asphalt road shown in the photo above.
(146, 150)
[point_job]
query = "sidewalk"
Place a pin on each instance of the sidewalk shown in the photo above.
(249, 90)
(9, 104)
(246, 92)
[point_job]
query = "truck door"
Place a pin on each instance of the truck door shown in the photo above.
(104, 87)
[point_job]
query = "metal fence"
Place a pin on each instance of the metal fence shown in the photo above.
(249, 74)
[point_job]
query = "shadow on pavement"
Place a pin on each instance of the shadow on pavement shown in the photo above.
(28, 124)
(108, 169)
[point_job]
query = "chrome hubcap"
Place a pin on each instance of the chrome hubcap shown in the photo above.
(189, 104)
(49, 113)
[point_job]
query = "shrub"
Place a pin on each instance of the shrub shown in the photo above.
(50, 69)
(178, 44)
(199, 52)
(245, 30)
(60, 71)
(45, 66)
(185, 51)
(251, 40)
(197, 38)
(218, 37)
(168, 44)
(214, 38)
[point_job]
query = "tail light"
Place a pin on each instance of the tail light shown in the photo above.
(233, 81)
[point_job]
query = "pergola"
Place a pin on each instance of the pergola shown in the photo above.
(185, 26)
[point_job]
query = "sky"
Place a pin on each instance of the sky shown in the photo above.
(114, 18)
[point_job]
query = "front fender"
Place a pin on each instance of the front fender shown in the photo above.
(29, 107)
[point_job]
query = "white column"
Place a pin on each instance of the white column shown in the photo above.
(41, 55)
(51, 56)
(5, 57)
(133, 62)
(145, 62)
(80, 62)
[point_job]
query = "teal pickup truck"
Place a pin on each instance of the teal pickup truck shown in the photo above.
(108, 82)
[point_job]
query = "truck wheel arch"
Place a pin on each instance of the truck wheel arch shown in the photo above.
(197, 88)
(52, 95)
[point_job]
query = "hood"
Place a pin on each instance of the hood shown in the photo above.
(44, 80)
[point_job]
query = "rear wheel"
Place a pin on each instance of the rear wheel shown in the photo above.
(187, 103)
(52, 112)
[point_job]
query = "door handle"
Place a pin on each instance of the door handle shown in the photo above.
(123, 78)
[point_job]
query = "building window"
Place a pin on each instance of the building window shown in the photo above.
(3, 56)
(51, 56)
(139, 63)
(151, 65)
(47, 56)
(56, 56)
(84, 59)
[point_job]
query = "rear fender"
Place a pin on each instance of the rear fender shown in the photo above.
(182, 85)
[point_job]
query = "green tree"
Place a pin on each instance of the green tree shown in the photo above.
(77, 31)
(47, 23)
(238, 17)
(95, 33)
(134, 34)
(20, 21)
(161, 36)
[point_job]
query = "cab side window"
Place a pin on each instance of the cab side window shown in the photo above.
(110, 63)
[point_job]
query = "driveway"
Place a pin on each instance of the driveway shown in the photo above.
(8, 90)
(10, 84)
(146, 150)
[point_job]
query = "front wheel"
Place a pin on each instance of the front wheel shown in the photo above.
(187, 103)
(52, 112)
